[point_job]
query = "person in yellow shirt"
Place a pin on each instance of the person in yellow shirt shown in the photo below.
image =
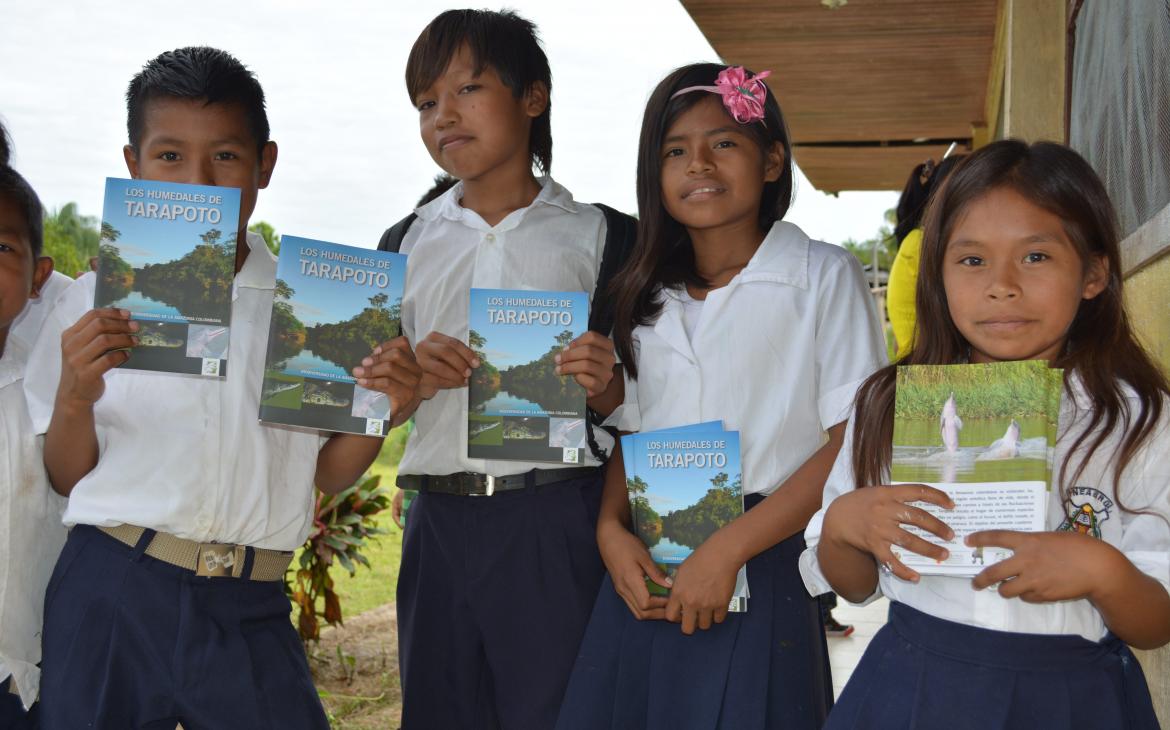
(924, 179)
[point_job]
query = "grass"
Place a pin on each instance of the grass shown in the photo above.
(1015, 389)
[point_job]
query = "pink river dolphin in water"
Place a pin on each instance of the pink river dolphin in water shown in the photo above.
(950, 424)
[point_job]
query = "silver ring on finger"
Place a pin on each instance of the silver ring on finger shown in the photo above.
(887, 568)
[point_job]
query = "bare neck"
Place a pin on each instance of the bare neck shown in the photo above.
(493, 196)
(721, 253)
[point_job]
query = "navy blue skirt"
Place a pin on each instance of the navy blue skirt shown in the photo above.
(924, 672)
(767, 668)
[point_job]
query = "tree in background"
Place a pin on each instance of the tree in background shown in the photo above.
(268, 233)
(71, 239)
(887, 245)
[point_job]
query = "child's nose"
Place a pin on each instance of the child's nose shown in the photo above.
(1004, 283)
(445, 113)
(201, 172)
(700, 163)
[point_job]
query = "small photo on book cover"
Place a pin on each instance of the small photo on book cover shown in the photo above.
(683, 484)
(984, 434)
(518, 408)
(168, 254)
(333, 305)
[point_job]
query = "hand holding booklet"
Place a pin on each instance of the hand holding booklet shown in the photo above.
(684, 484)
(984, 434)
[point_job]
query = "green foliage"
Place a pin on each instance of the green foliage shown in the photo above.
(116, 275)
(201, 278)
(485, 379)
(289, 330)
(342, 525)
(71, 239)
(538, 381)
(346, 343)
(887, 245)
(1016, 390)
(647, 522)
(722, 503)
(269, 234)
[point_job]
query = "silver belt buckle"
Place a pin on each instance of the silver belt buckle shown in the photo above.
(491, 485)
(216, 560)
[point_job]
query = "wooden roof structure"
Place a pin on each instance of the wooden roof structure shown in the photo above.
(869, 89)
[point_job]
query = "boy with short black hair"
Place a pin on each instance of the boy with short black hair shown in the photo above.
(31, 534)
(494, 591)
(167, 603)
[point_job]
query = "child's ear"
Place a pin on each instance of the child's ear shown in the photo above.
(1096, 277)
(131, 158)
(536, 99)
(41, 272)
(774, 162)
(267, 163)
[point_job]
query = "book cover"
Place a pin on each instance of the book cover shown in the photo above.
(332, 306)
(518, 408)
(168, 255)
(984, 434)
(684, 484)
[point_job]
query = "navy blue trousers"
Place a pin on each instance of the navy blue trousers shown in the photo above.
(493, 597)
(921, 673)
(12, 713)
(133, 643)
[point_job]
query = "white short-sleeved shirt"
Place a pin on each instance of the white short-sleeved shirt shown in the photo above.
(187, 455)
(31, 534)
(776, 355)
(1143, 538)
(554, 244)
(28, 323)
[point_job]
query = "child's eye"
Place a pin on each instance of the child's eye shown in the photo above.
(1036, 257)
(5, 248)
(169, 156)
(971, 261)
(469, 88)
(223, 156)
(672, 152)
(425, 105)
(724, 144)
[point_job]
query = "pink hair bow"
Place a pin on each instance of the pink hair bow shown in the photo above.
(742, 97)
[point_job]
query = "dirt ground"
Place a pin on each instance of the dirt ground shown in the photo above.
(356, 670)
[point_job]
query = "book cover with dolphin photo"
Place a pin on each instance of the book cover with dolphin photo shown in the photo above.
(984, 434)
(168, 254)
(332, 306)
(518, 408)
(684, 483)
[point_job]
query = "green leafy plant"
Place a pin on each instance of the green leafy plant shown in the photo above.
(342, 525)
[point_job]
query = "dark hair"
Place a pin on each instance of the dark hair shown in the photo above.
(502, 41)
(663, 256)
(924, 179)
(201, 73)
(15, 188)
(1101, 349)
(443, 183)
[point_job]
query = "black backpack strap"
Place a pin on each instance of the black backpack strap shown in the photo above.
(621, 232)
(392, 239)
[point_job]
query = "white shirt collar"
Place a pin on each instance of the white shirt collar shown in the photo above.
(13, 361)
(259, 271)
(448, 206)
(782, 257)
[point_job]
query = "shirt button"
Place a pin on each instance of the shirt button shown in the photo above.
(490, 237)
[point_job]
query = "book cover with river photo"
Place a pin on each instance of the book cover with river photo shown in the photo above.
(332, 306)
(167, 254)
(518, 408)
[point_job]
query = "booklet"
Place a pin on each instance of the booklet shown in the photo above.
(684, 484)
(332, 306)
(168, 255)
(518, 408)
(985, 435)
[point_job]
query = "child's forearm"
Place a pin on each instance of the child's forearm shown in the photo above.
(343, 459)
(71, 445)
(787, 510)
(615, 501)
(605, 403)
(1134, 606)
(852, 573)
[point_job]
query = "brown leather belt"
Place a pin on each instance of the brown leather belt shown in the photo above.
(210, 559)
(474, 484)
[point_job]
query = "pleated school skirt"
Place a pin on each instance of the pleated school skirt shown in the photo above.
(923, 672)
(763, 669)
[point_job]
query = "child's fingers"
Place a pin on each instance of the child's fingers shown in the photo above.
(922, 493)
(591, 384)
(591, 353)
(920, 518)
(441, 374)
(653, 572)
(1009, 539)
(915, 544)
(889, 562)
(690, 619)
(593, 339)
(705, 618)
(451, 345)
(720, 614)
(443, 360)
(1002, 571)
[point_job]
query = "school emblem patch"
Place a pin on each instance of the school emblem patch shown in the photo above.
(1085, 510)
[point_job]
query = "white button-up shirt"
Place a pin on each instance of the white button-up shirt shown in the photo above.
(31, 534)
(776, 355)
(554, 244)
(1143, 538)
(187, 455)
